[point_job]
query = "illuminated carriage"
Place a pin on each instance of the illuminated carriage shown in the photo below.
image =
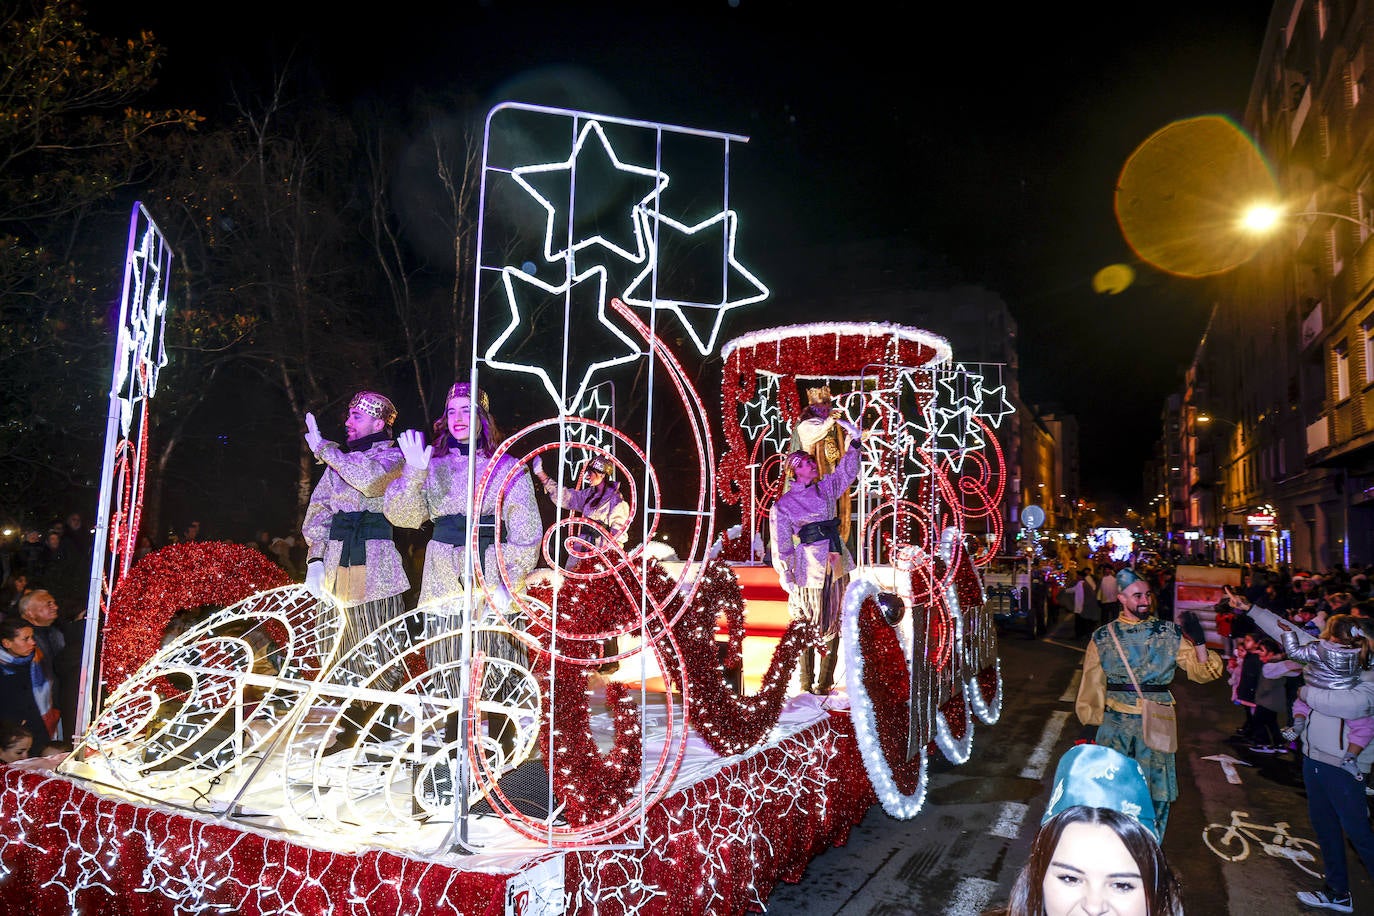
(931, 465)
(232, 718)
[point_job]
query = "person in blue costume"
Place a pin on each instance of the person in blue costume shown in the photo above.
(1154, 649)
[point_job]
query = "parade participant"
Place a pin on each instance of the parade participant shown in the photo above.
(812, 562)
(351, 555)
(817, 434)
(599, 500)
(433, 486)
(1139, 649)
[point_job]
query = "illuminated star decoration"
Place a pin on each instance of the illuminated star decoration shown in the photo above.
(142, 351)
(655, 179)
(965, 388)
(592, 407)
(728, 221)
(590, 282)
(995, 406)
(763, 416)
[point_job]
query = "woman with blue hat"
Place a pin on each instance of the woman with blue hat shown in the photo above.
(1129, 662)
(1098, 847)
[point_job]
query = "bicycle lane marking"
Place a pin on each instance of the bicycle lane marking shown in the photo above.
(1234, 842)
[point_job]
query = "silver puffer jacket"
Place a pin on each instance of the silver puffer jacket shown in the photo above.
(1325, 664)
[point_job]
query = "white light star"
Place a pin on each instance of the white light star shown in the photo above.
(657, 180)
(653, 272)
(596, 284)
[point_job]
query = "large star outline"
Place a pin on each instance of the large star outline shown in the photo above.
(728, 220)
(585, 280)
(657, 180)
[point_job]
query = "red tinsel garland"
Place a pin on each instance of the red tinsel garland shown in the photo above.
(176, 578)
(988, 683)
(955, 711)
(887, 681)
(729, 724)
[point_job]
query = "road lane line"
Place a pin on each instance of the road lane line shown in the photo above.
(971, 897)
(1040, 757)
(1071, 692)
(1009, 820)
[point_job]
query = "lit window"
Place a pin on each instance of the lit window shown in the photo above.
(1368, 328)
(1342, 372)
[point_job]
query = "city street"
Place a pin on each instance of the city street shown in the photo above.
(962, 853)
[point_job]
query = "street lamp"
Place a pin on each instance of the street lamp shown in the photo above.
(1205, 418)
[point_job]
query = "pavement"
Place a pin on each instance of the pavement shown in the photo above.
(961, 853)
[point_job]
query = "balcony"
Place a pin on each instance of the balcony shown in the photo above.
(1319, 435)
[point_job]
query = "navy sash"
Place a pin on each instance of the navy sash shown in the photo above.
(354, 530)
(828, 530)
(453, 530)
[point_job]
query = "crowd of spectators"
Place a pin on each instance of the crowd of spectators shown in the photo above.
(44, 583)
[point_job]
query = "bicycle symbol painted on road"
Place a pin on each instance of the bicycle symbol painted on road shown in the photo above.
(1232, 842)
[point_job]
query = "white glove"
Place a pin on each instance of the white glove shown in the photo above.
(500, 598)
(314, 579)
(538, 466)
(417, 454)
(312, 433)
(849, 427)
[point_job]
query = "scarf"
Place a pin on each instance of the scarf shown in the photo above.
(366, 442)
(13, 664)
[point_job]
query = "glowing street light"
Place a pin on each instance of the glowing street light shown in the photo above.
(1205, 419)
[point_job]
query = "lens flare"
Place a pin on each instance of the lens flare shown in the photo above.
(1113, 279)
(1181, 192)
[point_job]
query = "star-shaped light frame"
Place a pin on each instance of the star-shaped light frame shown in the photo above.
(729, 220)
(658, 179)
(567, 403)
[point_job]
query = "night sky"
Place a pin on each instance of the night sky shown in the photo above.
(993, 143)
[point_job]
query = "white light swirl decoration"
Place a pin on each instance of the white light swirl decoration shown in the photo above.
(895, 802)
(956, 750)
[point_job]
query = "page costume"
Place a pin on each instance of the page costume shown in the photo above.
(345, 529)
(811, 559)
(439, 494)
(602, 504)
(1155, 649)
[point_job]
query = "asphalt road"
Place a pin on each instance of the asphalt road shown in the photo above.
(962, 852)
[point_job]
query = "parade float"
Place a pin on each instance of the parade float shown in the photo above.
(692, 779)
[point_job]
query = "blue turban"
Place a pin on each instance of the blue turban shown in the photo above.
(1100, 777)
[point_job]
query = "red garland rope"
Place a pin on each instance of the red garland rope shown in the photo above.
(955, 711)
(887, 681)
(176, 578)
(730, 724)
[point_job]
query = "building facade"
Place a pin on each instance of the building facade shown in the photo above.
(1276, 419)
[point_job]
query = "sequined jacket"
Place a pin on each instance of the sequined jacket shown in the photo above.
(418, 496)
(354, 482)
(804, 564)
(611, 509)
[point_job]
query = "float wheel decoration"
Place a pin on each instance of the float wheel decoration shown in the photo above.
(180, 577)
